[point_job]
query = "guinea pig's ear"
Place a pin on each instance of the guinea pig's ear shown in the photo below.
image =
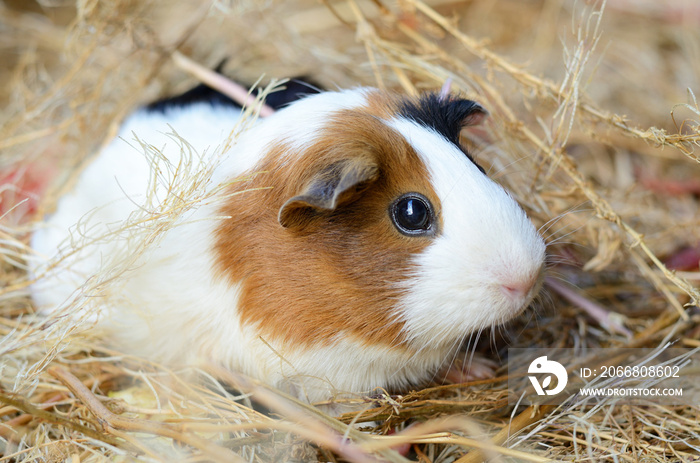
(332, 186)
(476, 116)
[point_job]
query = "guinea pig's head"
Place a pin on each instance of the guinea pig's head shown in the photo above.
(378, 225)
(485, 261)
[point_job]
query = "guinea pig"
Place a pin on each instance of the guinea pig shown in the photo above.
(355, 244)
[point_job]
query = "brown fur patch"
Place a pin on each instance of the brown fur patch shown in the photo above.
(341, 272)
(383, 104)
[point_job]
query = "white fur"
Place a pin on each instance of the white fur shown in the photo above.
(170, 307)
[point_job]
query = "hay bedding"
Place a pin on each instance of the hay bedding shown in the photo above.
(594, 127)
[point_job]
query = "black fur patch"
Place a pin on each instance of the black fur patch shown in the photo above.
(446, 116)
(198, 94)
(292, 91)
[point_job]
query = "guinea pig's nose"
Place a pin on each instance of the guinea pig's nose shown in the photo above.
(515, 291)
(519, 289)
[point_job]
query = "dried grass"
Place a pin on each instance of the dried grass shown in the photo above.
(581, 134)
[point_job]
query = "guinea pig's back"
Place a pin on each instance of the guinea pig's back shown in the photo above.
(115, 184)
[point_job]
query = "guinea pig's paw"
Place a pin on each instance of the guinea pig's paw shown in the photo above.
(402, 449)
(474, 368)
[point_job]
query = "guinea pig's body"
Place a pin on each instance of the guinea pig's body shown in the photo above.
(356, 245)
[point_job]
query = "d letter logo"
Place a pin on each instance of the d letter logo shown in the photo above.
(549, 367)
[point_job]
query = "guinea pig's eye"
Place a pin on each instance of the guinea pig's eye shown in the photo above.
(412, 214)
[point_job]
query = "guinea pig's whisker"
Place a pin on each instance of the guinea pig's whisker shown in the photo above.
(501, 173)
(534, 310)
(553, 260)
(455, 349)
(557, 218)
(560, 277)
(559, 239)
(471, 348)
(546, 299)
(570, 243)
(550, 223)
(457, 182)
(467, 344)
(505, 333)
